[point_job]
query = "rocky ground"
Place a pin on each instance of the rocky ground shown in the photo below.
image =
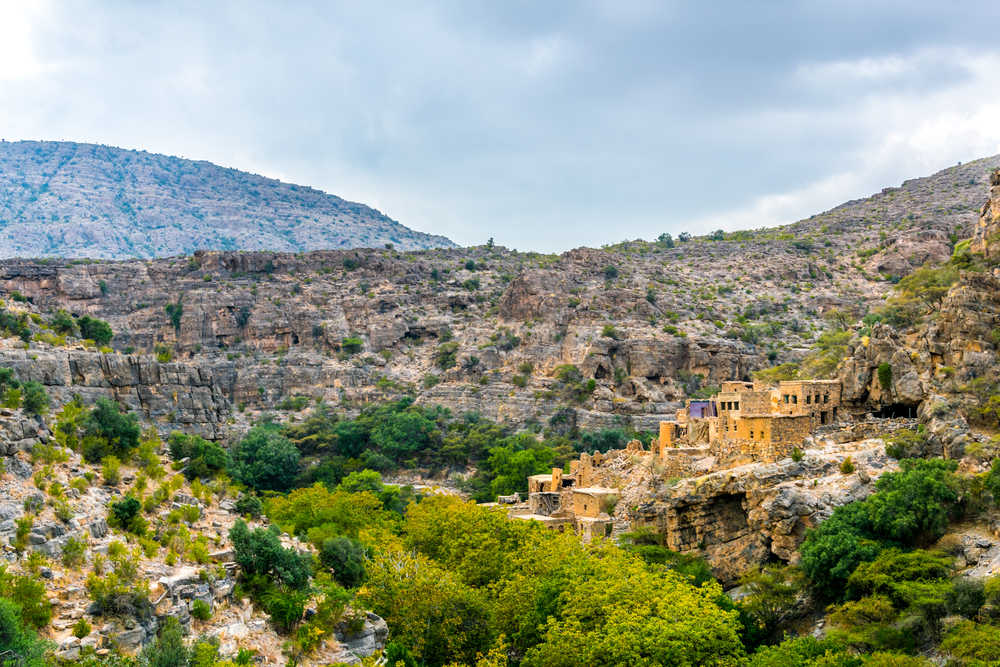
(173, 587)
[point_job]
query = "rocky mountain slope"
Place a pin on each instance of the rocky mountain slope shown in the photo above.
(65, 199)
(514, 336)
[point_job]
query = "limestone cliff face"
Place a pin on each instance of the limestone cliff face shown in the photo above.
(985, 239)
(258, 327)
(173, 395)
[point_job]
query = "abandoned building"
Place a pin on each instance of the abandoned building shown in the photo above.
(753, 421)
(744, 422)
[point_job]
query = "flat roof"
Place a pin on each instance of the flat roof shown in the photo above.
(596, 490)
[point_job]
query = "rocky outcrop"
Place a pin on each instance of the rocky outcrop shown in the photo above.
(901, 385)
(985, 240)
(746, 516)
(171, 395)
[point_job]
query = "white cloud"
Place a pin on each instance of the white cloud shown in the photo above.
(19, 55)
(900, 134)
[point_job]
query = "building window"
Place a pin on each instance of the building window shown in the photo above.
(795, 399)
(808, 396)
(826, 398)
(785, 397)
(736, 405)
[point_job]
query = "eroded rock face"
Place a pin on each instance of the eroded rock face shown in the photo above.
(746, 516)
(173, 395)
(985, 239)
(859, 374)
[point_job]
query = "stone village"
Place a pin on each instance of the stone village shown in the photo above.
(745, 422)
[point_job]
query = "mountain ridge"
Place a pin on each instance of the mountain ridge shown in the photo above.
(68, 199)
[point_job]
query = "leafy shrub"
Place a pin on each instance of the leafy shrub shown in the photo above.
(265, 460)
(259, 552)
(34, 398)
(73, 552)
(249, 505)
(446, 355)
(847, 466)
(126, 515)
(81, 628)
(610, 272)
(168, 649)
(352, 345)
(17, 639)
(346, 557)
(609, 331)
(29, 595)
(94, 329)
(205, 458)
(174, 313)
(111, 470)
(108, 431)
(63, 323)
(201, 610)
(884, 372)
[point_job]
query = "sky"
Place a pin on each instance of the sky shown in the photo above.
(546, 125)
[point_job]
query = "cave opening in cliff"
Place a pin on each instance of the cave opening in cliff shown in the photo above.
(897, 411)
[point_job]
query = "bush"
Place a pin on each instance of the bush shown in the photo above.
(973, 643)
(111, 470)
(168, 649)
(847, 466)
(34, 398)
(884, 373)
(94, 329)
(73, 552)
(63, 323)
(29, 595)
(205, 458)
(249, 505)
(265, 460)
(17, 639)
(259, 552)
(346, 557)
(610, 272)
(126, 515)
(109, 431)
(81, 628)
(446, 355)
(174, 312)
(352, 345)
(201, 610)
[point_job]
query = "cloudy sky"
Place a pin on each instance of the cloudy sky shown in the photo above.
(544, 124)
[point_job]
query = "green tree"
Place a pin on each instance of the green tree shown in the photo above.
(96, 330)
(107, 430)
(914, 504)
(63, 323)
(431, 612)
(265, 460)
(18, 639)
(346, 557)
(168, 649)
(259, 552)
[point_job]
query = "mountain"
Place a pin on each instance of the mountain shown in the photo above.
(65, 199)
(440, 366)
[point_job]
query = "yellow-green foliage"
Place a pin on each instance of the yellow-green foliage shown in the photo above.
(317, 513)
(465, 576)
